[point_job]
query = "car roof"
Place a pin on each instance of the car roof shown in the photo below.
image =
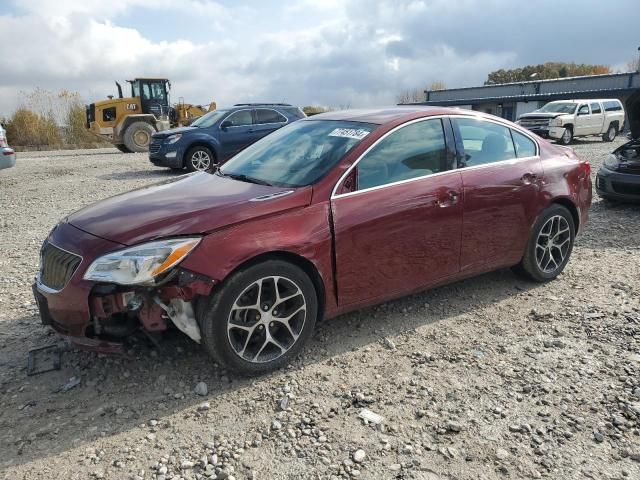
(384, 115)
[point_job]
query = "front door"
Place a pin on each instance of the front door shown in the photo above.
(236, 132)
(501, 173)
(400, 228)
(583, 120)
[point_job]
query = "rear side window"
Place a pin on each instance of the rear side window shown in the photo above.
(237, 119)
(525, 147)
(612, 106)
(595, 108)
(484, 142)
(415, 150)
(266, 115)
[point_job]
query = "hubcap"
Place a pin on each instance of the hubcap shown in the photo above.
(141, 138)
(566, 135)
(201, 160)
(553, 244)
(266, 319)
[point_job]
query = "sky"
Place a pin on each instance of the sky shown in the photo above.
(340, 53)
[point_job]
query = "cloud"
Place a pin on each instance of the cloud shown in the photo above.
(329, 52)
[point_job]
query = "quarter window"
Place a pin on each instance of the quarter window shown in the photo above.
(266, 115)
(238, 119)
(484, 142)
(612, 106)
(412, 151)
(525, 147)
(595, 108)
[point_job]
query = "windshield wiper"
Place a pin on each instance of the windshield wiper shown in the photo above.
(244, 178)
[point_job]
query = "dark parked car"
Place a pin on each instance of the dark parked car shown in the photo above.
(329, 214)
(217, 136)
(619, 177)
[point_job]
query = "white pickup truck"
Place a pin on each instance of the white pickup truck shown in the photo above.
(563, 120)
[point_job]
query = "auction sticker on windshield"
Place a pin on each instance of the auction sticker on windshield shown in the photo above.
(357, 133)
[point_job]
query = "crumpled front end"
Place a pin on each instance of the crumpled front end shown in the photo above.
(98, 316)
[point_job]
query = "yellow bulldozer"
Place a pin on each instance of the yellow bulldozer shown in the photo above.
(129, 122)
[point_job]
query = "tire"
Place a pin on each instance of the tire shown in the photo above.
(137, 136)
(536, 259)
(226, 319)
(123, 148)
(199, 159)
(610, 134)
(567, 136)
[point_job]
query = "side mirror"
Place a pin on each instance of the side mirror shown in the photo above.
(226, 124)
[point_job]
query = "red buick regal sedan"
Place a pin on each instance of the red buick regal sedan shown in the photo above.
(329, 214)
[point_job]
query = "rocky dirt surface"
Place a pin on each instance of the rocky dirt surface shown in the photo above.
(490, 378)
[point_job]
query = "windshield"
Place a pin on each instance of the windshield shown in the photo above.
(209, 118)
(298, 154)
(562, 107)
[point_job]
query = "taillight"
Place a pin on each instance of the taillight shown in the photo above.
(3, 140)
(585, 167)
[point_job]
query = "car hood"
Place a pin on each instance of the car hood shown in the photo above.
(632, 107)
(541, 115)
(190, 204)
(173, 131)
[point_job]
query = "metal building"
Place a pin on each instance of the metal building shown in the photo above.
(510, 100)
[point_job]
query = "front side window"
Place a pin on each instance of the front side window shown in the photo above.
(595, 108)
(241, 118)
(266, 115)
(583, 110)
(484, 142)
(412, 151)
(297, 154)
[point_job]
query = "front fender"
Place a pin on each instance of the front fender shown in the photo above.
(202, 138)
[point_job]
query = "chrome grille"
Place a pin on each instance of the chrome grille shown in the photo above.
(534, 122)
(56, 266)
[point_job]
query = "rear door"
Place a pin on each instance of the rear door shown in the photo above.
(237, 133)
(501, 173)
(268, 120)
(400, 229)
(597, 118)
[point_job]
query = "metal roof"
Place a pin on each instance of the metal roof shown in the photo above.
(575, 87)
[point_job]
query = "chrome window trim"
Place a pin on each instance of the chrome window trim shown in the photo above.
(233, 113)
(335, 195)
(41, 286)
(286, 120)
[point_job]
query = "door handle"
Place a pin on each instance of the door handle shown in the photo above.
(528, 178)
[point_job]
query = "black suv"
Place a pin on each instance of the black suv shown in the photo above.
(217, 136)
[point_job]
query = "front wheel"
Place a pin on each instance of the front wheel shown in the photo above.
(199, 159)
(550, 245)
(260, 318)
(137, 136)
(567, 136)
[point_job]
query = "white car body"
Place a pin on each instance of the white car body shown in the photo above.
(7, 155)
(583, 118)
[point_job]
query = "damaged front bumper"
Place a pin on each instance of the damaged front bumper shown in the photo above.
(98, 316)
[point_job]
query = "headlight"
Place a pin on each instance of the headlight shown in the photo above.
(611, 162)
(173, 138)
(141, 264)
(555, 122)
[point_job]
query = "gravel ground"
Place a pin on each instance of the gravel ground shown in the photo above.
(492, 377)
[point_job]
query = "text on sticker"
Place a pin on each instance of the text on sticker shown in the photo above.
(357, 133)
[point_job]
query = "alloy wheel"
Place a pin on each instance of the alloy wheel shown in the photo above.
(201, 160)
(266, 319)
(553, 243)
(566, 136)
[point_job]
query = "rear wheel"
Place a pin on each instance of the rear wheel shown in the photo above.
(199, 159)
(137, 136)
(550, 245)
(610, 134)
(567, 136)
(260, 318)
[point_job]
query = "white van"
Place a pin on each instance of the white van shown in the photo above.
(563, 120)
